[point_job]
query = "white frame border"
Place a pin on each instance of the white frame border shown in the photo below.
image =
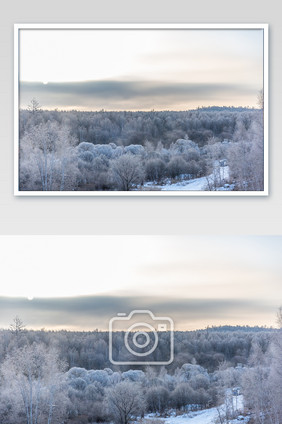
(17, 192)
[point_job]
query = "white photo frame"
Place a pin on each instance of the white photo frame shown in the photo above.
(138, 192)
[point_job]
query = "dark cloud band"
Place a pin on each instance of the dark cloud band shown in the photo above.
(95, 311)
(132, 93)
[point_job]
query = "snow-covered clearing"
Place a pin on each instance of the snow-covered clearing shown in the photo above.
(206, 416)
(198, 184)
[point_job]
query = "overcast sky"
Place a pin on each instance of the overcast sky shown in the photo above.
(140, 69)
(81, 282)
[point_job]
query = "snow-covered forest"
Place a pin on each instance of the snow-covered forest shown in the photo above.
(219, 375)
(205, 149)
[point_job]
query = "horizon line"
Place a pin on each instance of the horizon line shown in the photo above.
(103, 110)
(207, 328)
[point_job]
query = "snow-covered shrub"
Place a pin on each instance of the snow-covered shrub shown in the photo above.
(176, 166)
(78, 384)
(133, 375)
(99, 376)
(86, 147)
(134, 149)
(188, 371)
(155, 170)
(77, 372)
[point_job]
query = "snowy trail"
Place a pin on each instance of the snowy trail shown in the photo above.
(197, 184)
(208, 416)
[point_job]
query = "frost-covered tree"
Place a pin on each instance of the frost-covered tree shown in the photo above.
(157, 399)
(256, 390)
(261, 99)
(246, 155)
(262, 381)
(155, 170)
(183, 395)
(125, 402)
(33, 382)
(275, 378)
(34, 105)
(279, 317)
(17, 327)
(127, 172)
(176, 166)
(47, 159)
(226, 378)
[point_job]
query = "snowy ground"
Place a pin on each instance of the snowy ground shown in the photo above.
(197, 184)
(206, 416)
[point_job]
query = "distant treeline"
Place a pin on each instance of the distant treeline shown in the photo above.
(226, 108)
(245, 328)
(89, 350)
(125, 128)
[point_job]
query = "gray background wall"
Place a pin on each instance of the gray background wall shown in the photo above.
(191, 215)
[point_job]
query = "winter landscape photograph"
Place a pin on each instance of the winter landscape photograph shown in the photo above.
(141, 110)
(177, 330)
